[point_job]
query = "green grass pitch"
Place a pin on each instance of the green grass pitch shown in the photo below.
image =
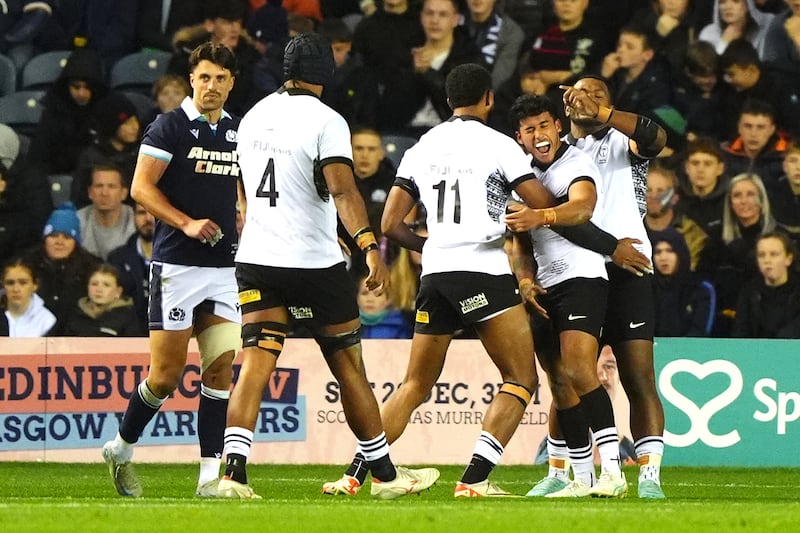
(80, 498)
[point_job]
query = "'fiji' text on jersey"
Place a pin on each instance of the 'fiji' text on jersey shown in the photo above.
(221, 163)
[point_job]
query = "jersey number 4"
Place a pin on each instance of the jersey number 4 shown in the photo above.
(441, 188)
(266, 189)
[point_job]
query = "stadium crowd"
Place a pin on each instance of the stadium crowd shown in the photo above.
(721, 77)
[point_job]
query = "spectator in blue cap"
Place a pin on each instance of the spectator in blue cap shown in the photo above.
(61, 263)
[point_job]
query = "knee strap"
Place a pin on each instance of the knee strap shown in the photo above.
(332, 344)
(517, 391)
(216, 340)
(267, 336)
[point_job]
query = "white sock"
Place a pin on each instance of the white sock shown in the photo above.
(649, 451)
(209, 469)
(583, 465)
(238, 440)
(607, 442)
(488, 447)
(558, 454)
(122, 450)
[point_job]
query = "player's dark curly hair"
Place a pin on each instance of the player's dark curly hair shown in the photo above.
(219, 54)
(466, 84)
(529, 105)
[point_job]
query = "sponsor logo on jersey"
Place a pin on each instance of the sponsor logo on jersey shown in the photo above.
(221, 163)
(195, 132)
(422, 317)
(473, 302)
(299, 313)
(251, 295)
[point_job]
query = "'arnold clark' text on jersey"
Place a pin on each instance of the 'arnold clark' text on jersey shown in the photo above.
(200, 180)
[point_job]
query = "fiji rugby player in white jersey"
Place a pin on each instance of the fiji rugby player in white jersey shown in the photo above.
(621, 144)
(575, 299)
(297, 170)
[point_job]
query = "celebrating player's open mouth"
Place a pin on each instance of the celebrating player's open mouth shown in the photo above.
(542, 147)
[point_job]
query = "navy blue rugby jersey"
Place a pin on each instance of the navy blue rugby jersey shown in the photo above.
(200, 180)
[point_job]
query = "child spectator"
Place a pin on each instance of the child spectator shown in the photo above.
(24, 312)
(769, 305)
(784, 195)
(637, 77)
(168, 92)
(379, 318)
(104, 312)
(685, 307)
(734, 19)
(702, 193)
(697, 93)
(744, 72)
(116, 133)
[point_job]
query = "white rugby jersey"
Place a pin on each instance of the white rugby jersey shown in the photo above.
(624, 177)
(557, 258)
(291, 219)
(463, 172)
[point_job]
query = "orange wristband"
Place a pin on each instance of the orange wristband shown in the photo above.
(550, 217)
(604, 114)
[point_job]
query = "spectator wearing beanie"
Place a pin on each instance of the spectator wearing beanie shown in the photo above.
(62, 265)
(116, 133)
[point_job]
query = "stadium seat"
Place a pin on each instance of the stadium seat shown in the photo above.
(137, 71)
(396, 146)
(8, 76)
(42, 70)
(60, 188)
(24, 144)
(22, 111)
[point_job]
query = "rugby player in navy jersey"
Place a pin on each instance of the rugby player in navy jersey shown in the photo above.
(187, 176)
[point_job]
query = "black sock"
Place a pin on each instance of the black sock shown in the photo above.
(575, 426)
(598, 408)
(211, 425)
(235, 467)
(478, 469)
(358, 468)
(137, 415)
(382, 469)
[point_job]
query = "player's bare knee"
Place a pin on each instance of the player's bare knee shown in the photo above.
(162, 384)
(331, 344)
(266, 336)
(519, 392)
